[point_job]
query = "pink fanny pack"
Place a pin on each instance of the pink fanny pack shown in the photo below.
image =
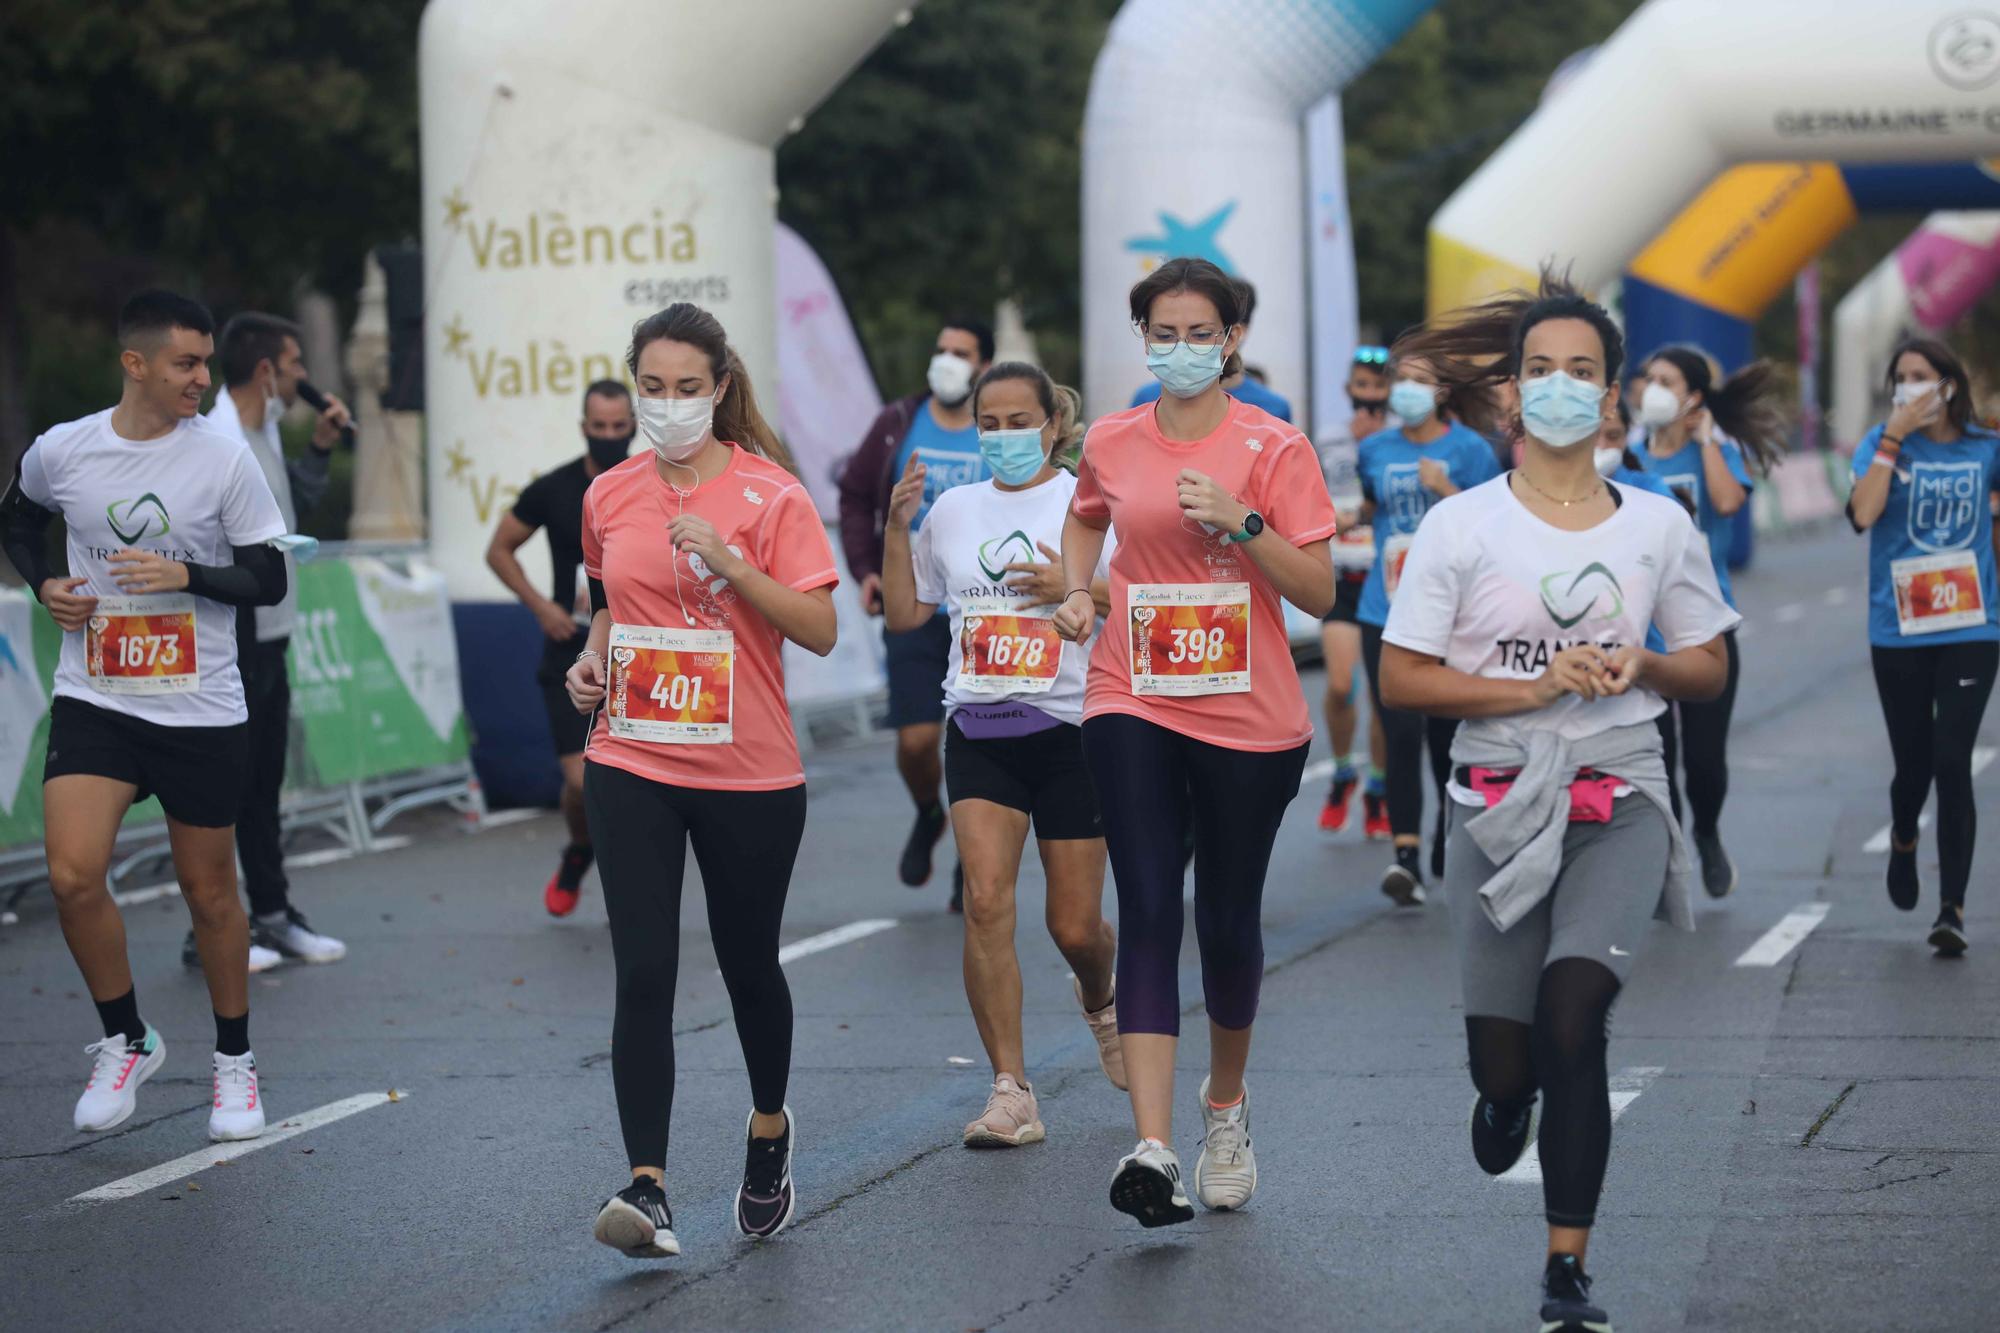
(1590, 796)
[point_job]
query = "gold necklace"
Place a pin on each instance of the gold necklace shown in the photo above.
(1591, 494)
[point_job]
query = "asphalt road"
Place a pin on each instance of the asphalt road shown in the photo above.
(1804, 1144)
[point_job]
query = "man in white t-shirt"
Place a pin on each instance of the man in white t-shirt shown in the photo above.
(170, 530)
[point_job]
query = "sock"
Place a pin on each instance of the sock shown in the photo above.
(576, 859)
(121, 1016)
(933, 810)
(1411, 860)
(232, 1035)
(1224, 1106)
(1378, 781)
(1343, 772)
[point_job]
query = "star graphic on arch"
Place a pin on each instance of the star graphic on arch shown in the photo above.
(1188, 240)
(455, 336)
(456, 206)
(461, 461)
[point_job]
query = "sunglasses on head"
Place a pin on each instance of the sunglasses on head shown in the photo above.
(1371, 356)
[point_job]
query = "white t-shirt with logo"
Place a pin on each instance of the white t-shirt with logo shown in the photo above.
(1496, 592)
(960, 556)
(189, 496)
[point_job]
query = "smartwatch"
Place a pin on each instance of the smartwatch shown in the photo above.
(1253, 525)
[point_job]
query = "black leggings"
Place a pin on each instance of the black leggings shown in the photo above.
(1933, 696)
(1404, 738)
(1153, 784)
(745, 843)
(1561, 1056)
(1704, 747)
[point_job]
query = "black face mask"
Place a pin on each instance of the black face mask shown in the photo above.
(1368, 404)
(609, 452)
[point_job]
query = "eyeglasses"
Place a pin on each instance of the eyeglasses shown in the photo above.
(1160, 345)
(1368, 404)
(1371, 355)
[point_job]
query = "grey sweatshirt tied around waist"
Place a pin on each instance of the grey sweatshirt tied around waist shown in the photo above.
(1523, 834)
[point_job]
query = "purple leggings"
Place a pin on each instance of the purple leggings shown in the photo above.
(1152, 784)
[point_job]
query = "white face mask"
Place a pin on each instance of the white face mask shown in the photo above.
(1914, 390)
(1658, 406)
(675, 427)
(950, 378)
(1609, 461)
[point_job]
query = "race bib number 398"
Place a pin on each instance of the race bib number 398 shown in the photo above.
(671, 687)
(1003, 650)
(1189, 638)
(1937, 592)
(142, 645)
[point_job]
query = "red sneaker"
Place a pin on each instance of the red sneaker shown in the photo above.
(1375, 817)
(1333, 814)
(566, 885)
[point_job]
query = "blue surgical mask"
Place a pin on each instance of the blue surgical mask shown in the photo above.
(1014, 455)
(1561, 411)
(1412, 401)
(1184, 370)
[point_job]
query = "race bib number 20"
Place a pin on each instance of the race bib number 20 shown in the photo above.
(1189, 638)
(1937, 592)
(671, 687)
(142, 645)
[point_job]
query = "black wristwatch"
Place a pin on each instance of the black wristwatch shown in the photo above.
(1253, 525)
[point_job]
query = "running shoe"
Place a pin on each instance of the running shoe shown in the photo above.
(117, 1068)
(1718, 872)
(566, 885)
(238, 1112)
(1948, 934)
(1148, 1186)
(1500, 1136)
(1333, 815)
(287, 935)
(765, 1204)
(1404, 881)
(915, 867)
(1225, 1175)
(261, 959)
(1011, 1117)
(1104, 1027)
(1903, 886)
(637, 1222)
(1566, 1306)
(1375, 817)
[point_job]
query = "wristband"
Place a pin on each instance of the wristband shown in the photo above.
(1887, 460)
(1074, 591)
(1890, 442)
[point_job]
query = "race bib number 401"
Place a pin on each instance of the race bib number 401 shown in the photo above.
(1003, 650)
(671, 686)
(1937, 592)
(142, 645)
(1189, 638)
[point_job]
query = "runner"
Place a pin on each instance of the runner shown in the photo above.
(703, 556)
(553, 502)
(1340, 633)
(938, 428)
(1245, 383)
(1192, 712)
(1403, 473)
(1920, 485)
(1519, 594)
(1013, 749)
(169, 529)
(1697, 426)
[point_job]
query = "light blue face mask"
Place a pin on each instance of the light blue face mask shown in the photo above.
(1183, 370)
(1014, 455)
(1412, 401)
(297, 545)
(1561, 411)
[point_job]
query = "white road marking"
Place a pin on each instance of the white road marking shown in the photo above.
(854, 930)
(1836, 594)
(328, 856)
(502, 818)
(133, 897)
(1314, 772)
(1982, 758)
(1771, 947)
(182, 1167)
(1626, 1085)
(1791, 612)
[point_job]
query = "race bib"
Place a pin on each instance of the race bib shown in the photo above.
(671, 686)
(1005, 650)
(1395, 551)
(1354, 550)
(142, 645)
(1937, 592)
(1189, 638)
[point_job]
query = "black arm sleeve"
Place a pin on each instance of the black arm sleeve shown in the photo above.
(256, 579)
(24, 532)
(598, 601)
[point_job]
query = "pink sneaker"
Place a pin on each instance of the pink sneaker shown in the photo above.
(1104, 1027)
(1011, 1117)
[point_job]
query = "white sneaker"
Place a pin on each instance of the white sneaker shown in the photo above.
(239, 1109)
(262, 959)
(1225, 1175)
(287, 934)
(1148, 1185)
(117, 1069)
(1104, 1029)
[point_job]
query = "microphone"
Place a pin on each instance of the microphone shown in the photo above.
(317, 401)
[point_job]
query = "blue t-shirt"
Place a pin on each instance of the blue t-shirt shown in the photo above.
(1646, 481)
(1682, 471)
(951, 458)
(1249, 391)
(1390, 479)
(1937, 505)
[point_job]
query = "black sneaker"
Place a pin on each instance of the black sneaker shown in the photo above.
(1948, 934)
(915, 868)
(765, 1203)
(1404, 881)
(1566, 1306)
(1718, 872)
(958, 888)
(190, 952)
(1903, 886)
(1500, 1136)
(637, 1223)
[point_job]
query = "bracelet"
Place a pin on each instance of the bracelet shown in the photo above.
(1891, 441)
(1887, 460)
(588, 652)
(1074, 591)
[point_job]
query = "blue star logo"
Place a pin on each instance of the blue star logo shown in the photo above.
(1185, 240)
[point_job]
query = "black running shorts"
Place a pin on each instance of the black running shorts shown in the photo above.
(197, 772)
(1043, 775)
